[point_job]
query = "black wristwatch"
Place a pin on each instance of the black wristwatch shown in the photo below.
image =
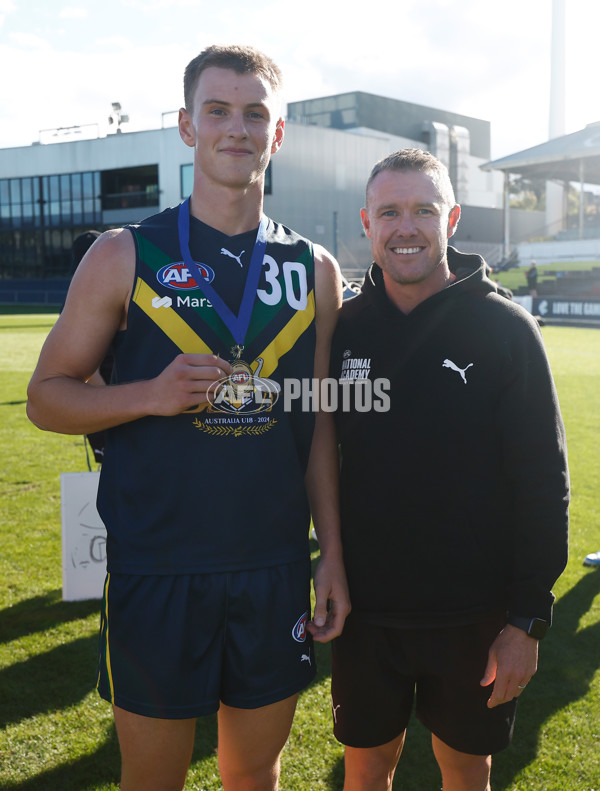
(535, 627)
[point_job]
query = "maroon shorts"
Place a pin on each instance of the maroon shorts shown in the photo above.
(378, 673)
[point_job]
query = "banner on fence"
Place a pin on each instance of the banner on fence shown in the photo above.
(587, 310)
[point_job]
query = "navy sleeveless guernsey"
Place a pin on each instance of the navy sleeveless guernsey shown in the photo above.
(220, 488)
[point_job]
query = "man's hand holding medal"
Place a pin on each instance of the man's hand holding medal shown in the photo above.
(183, 384)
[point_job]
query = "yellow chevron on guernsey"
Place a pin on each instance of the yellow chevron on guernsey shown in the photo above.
(169, 321)
(183, 336)
(285, 340)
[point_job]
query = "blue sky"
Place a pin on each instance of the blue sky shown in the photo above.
(64, 63)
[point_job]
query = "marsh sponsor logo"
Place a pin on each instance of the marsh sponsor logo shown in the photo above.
(193, 302)
(162, 302)
(181, 302)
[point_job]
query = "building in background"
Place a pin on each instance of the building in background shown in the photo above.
(50, 193)
(459, 141)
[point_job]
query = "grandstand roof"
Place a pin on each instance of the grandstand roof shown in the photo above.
(574, 157)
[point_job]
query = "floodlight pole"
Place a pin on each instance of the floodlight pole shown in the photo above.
(506, 240)
(556, 194)
(581, 197)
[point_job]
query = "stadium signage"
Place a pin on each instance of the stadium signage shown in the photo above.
(562, 308)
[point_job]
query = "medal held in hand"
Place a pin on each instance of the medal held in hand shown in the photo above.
(242, 391)
(241, 377)
(237, 325)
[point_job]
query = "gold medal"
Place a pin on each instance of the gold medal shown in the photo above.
(241, 376)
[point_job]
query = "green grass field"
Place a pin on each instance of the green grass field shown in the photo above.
(57, 735)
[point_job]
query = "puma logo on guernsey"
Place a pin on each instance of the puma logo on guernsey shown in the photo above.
(231, 255)
(454, 367)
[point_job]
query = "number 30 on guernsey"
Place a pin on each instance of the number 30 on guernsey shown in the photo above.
(294, 280)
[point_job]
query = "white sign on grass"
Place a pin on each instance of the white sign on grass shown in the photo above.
(83, 537)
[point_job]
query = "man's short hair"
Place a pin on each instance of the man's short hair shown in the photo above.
(422, 161)
(241, 59)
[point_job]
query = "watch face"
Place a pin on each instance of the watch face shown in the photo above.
(537, 628)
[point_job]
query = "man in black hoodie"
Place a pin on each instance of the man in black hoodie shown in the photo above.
(454, 501)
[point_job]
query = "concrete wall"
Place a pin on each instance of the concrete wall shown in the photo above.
(479, 224)
(318, 183)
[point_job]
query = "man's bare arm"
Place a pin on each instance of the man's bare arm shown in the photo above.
(331, 589)
(96, 308)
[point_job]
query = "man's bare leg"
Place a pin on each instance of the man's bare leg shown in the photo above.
(372, 768)
(250, 745)
(462, 771)
(155, 753)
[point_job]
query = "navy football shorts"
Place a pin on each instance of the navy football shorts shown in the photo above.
(378, 671)
(175, 646)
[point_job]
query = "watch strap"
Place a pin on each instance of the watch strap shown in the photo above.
(534, 627)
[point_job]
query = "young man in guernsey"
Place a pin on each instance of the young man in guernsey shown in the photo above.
(208, 485)
(454, 502)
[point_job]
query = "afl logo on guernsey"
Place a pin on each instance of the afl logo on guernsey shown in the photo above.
(178, 276)
(299, 630)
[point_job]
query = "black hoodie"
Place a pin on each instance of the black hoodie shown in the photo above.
(454, 501)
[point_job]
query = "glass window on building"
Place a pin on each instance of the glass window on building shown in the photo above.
(38, 219)
(130, 188)
(27, 197)
(15, 192)
(349, 117)
(346, 101)
(4, 203)
(88, 185)
(76, 186)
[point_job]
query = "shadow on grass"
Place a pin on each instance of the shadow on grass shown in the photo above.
(61, 678)
(568, 662)
(56, 679)
(88, 772)
(103, 767)
(41, 613)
